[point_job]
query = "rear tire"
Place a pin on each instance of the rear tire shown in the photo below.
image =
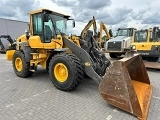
(112, 55)
(65, 71)
(20, 65)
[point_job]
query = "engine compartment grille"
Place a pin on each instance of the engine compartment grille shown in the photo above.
(114, 46)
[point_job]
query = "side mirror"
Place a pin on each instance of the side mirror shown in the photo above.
(73, 24)
(45, 17)
(110, 33)
(117, 33)
(132, 33)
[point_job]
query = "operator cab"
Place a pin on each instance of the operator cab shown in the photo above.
(48, 24)
(128, 32)
(141, 36)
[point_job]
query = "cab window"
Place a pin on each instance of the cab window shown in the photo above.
(48, 31)
(125, 32)
(37, 24)
(140, 36)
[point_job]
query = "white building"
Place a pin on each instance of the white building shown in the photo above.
(13, 28)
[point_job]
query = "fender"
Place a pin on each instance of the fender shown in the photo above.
(27, 50)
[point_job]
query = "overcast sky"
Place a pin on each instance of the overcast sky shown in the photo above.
(114, 13)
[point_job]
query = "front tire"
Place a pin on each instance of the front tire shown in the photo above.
(113, 55)
(20, 65)
(65, 71)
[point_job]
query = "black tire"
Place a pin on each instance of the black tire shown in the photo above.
(25, 65)
(74, 68)
(112, 55)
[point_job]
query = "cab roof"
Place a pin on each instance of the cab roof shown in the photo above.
(144, 30)
(50, 11)
(126, 28)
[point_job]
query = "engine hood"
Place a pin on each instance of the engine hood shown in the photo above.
(119, 38)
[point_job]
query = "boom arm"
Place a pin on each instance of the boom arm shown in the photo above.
(84, 31)
(102, 27)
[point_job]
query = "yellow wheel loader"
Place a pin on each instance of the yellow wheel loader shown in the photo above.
(147, 43)
(125, 85)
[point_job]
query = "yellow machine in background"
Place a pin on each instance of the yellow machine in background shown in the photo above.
(104, 28)
(147, 44)
(87, 27)
(97, 35)
(66, 61)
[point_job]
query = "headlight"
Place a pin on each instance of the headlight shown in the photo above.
(133, 47)
(9, 45)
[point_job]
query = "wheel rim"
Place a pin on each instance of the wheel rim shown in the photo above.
(61, 72)
(18, 64)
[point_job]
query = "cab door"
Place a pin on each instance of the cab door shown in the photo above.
(36, 39)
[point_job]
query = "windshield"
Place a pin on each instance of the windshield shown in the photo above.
(140, 36)
(59, 24)
(124, 32)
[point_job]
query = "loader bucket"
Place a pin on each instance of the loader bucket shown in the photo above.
(126, 85)
(154, 65)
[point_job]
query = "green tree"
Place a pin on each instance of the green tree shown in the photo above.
(105, 38)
